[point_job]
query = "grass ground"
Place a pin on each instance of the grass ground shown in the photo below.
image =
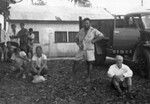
(60, 89)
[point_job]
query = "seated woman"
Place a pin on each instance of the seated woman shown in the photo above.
(39, 62)
(19, 60)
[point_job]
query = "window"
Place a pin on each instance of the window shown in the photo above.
(60, 36)
(120, 23)
(36, 36)
(131, 23)
(72, 36)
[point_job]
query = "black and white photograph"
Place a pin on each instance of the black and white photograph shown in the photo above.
(74, 51)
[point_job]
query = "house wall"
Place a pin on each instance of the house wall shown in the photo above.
(47, 38)
(2, 21)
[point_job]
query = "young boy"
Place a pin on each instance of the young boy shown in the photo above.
(39, 62)
(19, 60)
(30, 43)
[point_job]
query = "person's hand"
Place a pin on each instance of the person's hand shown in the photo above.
(117, 78)
(121, 77)
(81, 46)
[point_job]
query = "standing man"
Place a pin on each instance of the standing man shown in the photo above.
(30, 43)
(119, 74)
(12, 33)
(23, 36)
(85, 40)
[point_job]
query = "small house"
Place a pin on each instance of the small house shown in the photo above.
(55, 27)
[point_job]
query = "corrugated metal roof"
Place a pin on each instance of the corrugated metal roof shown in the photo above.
(32, 12)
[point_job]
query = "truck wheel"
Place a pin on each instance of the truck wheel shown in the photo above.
(146, 55)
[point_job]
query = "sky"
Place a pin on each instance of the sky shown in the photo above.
(120, 6)
(114, 6)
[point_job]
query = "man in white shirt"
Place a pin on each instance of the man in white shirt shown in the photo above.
(39, 62)
(120, 73)
(85, 40)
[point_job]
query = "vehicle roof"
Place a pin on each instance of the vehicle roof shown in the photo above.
(141, 12)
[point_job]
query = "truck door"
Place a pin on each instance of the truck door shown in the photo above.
(126, 35)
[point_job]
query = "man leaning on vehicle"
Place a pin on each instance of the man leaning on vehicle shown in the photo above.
(85, 40)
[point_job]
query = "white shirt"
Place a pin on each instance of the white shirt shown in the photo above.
(91, 34)
(124, 70)
(39, 60)
(87, 38)
(11, 33)
(4, 36)
(18, 60)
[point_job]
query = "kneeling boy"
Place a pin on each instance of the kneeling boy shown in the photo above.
(39, 62)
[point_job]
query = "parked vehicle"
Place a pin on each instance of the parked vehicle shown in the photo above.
(127, 35)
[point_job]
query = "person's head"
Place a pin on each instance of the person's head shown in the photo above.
(8, 44)
(39, 51)
(13, 26)
(30, 30)
(86, 23)
(119, 60)
(22, 25)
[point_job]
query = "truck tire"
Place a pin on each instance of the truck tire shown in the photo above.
(146, 56)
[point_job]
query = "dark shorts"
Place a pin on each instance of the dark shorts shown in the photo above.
(2, 45)
(23, 47)
(30, 50)
(90, 62)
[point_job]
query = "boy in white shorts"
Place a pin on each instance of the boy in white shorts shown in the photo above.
(85, 40)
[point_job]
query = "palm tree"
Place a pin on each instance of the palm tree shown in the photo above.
(4, 8)
(82, 3)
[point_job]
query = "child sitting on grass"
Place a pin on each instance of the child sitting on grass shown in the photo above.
(19, 62)
(39, 62)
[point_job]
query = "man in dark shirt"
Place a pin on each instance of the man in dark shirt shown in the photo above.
(23, 36)
(30, 43)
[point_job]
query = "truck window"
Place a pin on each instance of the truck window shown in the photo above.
(146, 21)
(130, 23)
(138, 22)
(120, 23)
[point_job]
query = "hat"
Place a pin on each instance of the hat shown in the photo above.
(22, 54)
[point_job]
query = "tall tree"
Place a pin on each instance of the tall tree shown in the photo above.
(82, 3)
(4, 5)
(4, 8)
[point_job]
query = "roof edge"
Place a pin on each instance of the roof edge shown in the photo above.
(43, 21)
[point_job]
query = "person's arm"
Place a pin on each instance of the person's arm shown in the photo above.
(78, 42)
(128, 72)
(110, 72)
(33, 64)
(97, 36)
(13, 59)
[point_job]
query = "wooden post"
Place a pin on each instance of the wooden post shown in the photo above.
(4, 21)
(0, 31)
(141, 2)
(80, 22)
